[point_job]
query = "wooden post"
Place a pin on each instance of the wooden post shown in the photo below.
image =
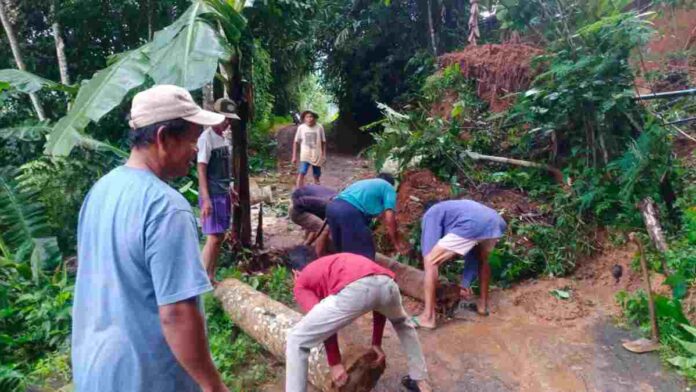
(269, 322)
(240, 158)
(411, 281)
(259, 228)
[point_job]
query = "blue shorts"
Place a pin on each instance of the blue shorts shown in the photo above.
(304, 167)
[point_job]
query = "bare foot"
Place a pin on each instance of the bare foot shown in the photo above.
(421, 322)
(424, 386)
(481, 308)
(465, 293)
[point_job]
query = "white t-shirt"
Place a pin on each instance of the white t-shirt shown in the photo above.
(209, 141)
(310, 139)
(215, 151)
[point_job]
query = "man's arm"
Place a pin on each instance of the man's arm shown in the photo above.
(378, 322)
(296, 141)
(206, 207)
(393, 232)
(184, 330)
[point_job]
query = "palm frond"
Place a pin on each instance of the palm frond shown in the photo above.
(24, 228)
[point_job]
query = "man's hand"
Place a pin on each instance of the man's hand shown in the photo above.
(339, 376)
(294, 160)
(206, 208)
(381, 357)
(403, 248)
(234, 197)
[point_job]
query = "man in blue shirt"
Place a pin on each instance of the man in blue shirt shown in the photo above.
(137, 324)
(457, 228)
(350, 213)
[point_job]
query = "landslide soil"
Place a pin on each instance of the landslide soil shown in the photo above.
(532, 341)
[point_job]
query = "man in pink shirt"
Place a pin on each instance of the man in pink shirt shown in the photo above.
(333, 291)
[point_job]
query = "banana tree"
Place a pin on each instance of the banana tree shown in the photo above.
(185, 53)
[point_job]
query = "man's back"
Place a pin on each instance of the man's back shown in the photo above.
(312, 199)
(371, 196)
(137, 250)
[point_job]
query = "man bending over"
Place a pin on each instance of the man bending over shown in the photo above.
(350, 213)
(309, 211)
(335, 290)
(457, 228)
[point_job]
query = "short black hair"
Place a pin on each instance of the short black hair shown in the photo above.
(300, 256)
(144, 136)
(387, 177)
(428, 204)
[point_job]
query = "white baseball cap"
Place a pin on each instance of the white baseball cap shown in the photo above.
(167, 102)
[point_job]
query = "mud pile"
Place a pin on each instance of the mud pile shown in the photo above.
(499, 69)
(285, 137)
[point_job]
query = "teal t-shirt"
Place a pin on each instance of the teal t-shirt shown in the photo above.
(371, 197)
(137, 250)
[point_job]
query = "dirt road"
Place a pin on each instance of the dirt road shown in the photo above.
(532, 341)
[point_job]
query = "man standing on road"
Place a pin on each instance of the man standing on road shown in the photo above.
(137, 322)
(350, 213)
(215, 193)
(309, 211)
(312, 140)
(457, 228)
(333, 291)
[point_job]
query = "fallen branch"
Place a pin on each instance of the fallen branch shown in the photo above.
(557, 174)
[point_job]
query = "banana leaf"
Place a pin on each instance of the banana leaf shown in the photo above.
(187, 52)
(96, 98)
(27, 82)
(28, 133)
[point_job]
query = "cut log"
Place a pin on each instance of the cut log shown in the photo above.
(268, 322)
(411, 281)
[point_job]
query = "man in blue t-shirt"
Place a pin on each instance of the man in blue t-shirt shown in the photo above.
(457, 228)
(137, 321)
(350, 213)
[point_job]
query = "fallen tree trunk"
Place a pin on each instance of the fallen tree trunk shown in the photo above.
(411, 280)
(652, 225)
(557, 174)
(268, 322)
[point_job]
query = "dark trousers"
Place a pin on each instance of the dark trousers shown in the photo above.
(350, 230)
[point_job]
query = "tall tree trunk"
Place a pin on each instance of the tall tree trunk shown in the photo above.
(60, 47)
(150, 27)
(431, 27)
(18, 57)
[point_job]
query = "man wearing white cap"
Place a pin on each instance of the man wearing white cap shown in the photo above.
(215, 195)
(137, 324)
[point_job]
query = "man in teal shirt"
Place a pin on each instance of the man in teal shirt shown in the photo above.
(350, 213)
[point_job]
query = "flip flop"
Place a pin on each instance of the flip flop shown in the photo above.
(474, 308)
(413, 322)
(410, 384)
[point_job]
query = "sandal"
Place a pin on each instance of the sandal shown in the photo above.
(413, 322)
(410, 384)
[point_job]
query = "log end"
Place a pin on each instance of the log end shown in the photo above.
(363, 374)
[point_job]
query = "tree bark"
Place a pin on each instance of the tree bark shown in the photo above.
(652, 224)
(18, 58)
(411, 282)
(150, 27)
(269, 322)
(208, 96)
(431, 27)
(60, 47)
